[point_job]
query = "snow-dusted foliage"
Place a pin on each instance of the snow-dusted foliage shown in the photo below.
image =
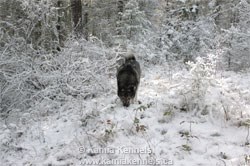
(236, 39)
(134, 22)
(26, 35)
(183, 38)
(31, 68)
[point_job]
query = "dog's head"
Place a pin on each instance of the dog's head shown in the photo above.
(126, 94)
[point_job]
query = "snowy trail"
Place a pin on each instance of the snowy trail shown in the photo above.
(101, 130)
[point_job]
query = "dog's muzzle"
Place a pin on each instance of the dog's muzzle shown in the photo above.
(125, 101)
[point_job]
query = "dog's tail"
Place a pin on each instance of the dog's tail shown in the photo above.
(129, 57)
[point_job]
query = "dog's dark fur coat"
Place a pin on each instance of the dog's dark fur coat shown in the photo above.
(128, 79)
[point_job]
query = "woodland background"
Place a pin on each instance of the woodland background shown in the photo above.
(58, 62)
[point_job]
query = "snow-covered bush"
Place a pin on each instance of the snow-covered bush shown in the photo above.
(85, 68)
(200, 77)
(204, 92)
(32, 70)
(82, 70)
(26, 34)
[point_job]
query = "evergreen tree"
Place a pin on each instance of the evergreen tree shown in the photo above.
(134, 24)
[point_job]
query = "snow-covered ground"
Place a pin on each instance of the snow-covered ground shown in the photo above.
(100, 131)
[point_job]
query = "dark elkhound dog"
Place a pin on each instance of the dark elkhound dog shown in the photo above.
(128, 79)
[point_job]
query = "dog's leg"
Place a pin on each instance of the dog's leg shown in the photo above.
(133, 101)
(136, 94)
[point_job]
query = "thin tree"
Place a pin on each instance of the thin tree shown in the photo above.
(76, 7)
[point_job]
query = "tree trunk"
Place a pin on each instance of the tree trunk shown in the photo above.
(85, 23)
(59, 24)
(76, 7)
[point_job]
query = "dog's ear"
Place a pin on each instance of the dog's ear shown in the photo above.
(119, 62)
